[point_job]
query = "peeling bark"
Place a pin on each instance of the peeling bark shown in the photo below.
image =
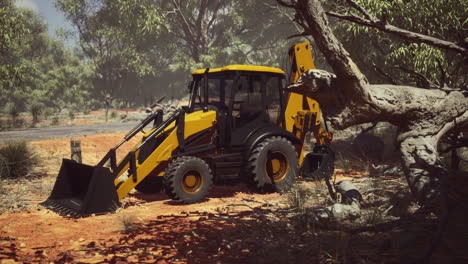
(422, 116)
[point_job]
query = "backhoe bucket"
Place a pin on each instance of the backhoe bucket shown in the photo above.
(319, 166)
(82, 190)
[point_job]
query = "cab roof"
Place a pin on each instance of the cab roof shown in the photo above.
(238, 67)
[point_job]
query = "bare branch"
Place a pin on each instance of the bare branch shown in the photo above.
(384, 74)
(402, 33)
(283, 3)
(186, 26)
(303, 34)
(426, 83)
(362, 10)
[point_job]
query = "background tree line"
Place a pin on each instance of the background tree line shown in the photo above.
(130, 51)
(36, 69)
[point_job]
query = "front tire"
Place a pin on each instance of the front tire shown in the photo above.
(188, 179)
(272, 165)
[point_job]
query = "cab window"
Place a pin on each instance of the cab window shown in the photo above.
(272, 98)
(219, 91)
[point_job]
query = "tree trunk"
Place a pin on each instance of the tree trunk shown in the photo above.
(423, 116)
(75, 149)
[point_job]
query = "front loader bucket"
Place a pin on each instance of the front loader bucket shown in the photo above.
(81, 190)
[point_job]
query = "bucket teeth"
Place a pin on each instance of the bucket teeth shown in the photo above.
(63, 208)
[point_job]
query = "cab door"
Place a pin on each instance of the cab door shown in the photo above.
(249, 110)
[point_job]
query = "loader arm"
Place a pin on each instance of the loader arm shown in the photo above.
(155, 162)
(81, 190)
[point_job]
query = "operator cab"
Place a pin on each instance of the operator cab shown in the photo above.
(245, 97)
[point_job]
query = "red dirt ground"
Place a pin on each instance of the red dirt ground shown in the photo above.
(41, 236)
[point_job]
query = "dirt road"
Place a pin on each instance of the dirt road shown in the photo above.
(64, 131)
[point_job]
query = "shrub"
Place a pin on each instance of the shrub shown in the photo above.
(47, 112)
(113, 114)
(86, 111)
(16, 160)
(36, 110)
(18, 123)
(71, 115)
(12, 123)
(55, 120)
(12, 110)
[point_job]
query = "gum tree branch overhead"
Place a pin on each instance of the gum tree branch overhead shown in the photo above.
(423, 116)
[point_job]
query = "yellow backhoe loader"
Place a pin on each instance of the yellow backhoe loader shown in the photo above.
(241, 123)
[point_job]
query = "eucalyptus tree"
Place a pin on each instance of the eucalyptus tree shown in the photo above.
(139, 47)
(423, 115)
(12, 30)
(395, 56)
(37, 70)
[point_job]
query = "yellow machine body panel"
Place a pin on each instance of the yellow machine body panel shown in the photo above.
(194, 123)
(238, 67)
(300, 56)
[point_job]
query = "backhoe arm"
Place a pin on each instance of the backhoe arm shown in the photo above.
(303, 113)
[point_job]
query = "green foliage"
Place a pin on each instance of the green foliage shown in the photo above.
(148, 42)
(47, 112)
(12, 123)
(12, 31)
(12, 110)
(55, 120)
(36, 67)
(443, 19)
(16, 160)
(124, 28)
(132, 50)
(17, 123)
(86, 111)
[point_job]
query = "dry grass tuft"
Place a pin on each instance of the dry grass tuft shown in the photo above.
(17, 160)
(298, 196)
(129, 223)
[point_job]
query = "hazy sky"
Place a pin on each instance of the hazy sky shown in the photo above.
(47, 10)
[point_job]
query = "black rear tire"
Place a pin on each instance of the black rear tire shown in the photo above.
(151, 184)
(188, 179)
(272, 166)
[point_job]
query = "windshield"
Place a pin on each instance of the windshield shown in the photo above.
(217, 94)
